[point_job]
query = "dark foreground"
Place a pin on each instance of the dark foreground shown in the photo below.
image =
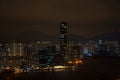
(91, 69)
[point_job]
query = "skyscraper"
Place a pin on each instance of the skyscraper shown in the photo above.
(63, 38)
(2, 50)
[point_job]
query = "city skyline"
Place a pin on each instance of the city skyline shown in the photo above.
(85, 18)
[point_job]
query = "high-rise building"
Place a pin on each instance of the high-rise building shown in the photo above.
(15, 49)
(2, 50)
(63, 38)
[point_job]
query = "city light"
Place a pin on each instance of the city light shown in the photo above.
(75, 62)
(7, 68)
(59, 67)
(70, 62)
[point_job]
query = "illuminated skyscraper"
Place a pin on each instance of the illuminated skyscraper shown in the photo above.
(63, 38)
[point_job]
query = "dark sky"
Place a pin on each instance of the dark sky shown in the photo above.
(86, 18)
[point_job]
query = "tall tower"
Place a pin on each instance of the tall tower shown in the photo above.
(63, 38)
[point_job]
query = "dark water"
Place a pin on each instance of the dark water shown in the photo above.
(92, 69)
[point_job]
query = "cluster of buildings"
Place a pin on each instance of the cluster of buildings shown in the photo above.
(102, 48)
(45, 52)
(35, 49)
(22, 49)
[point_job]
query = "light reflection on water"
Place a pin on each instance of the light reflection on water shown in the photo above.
(57, 70)
(7, 76)
(54, 75)
(94, 70)
(26, 75)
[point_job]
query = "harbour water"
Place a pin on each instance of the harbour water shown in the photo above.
(91, 69)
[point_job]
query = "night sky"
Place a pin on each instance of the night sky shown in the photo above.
(87, 18)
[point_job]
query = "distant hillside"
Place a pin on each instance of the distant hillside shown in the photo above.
(29, 36)
(76, 38)
(115, 36)
(35, 36)
(32, 36)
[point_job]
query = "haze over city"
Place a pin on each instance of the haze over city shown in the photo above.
(85, 18)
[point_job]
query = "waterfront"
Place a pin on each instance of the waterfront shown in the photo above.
(91, 69)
